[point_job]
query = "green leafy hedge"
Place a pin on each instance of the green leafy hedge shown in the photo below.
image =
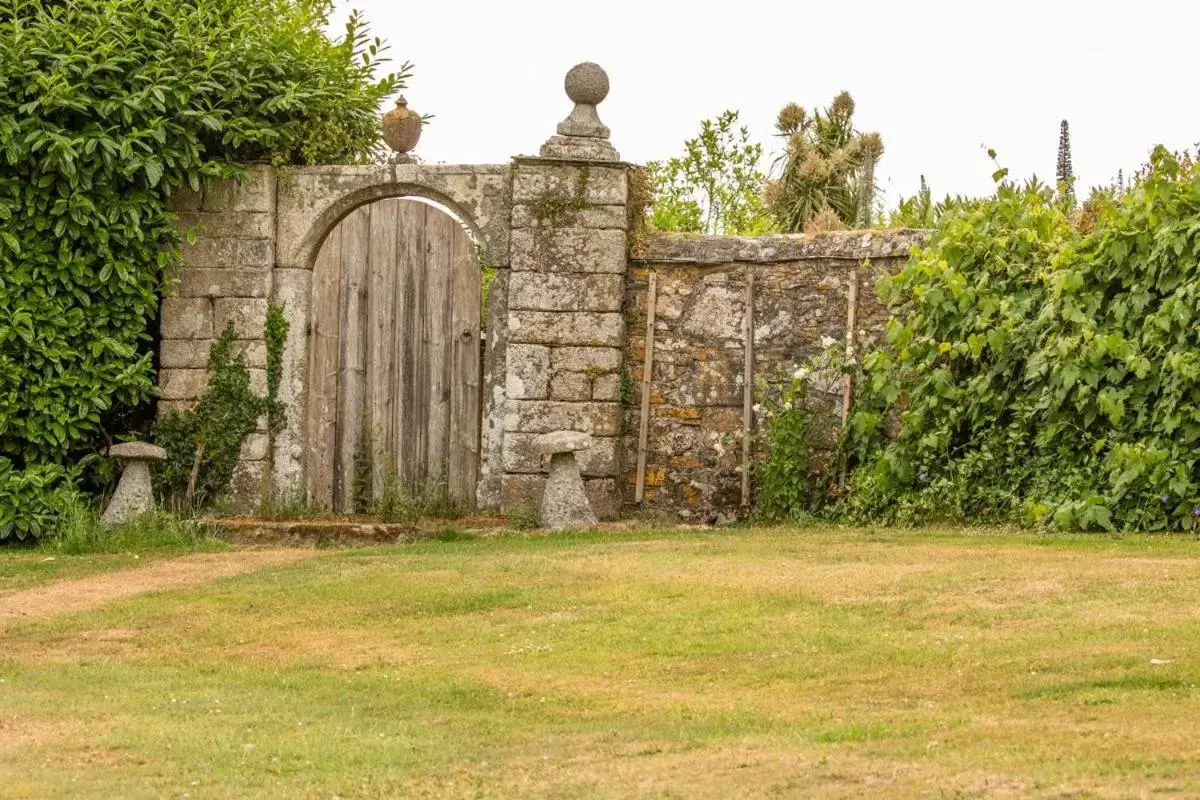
(1033, 372)
(34, 500)
(106, 108)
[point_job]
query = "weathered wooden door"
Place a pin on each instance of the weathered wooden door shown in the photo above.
(394, 369)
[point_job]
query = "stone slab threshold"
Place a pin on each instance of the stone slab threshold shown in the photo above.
(324, 531)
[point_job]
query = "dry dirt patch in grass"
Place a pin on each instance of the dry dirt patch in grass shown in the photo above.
(84, 594)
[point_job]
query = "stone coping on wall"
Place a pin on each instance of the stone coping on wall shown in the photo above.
(574, 162)
(696, 249)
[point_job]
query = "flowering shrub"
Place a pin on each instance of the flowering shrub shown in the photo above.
(792, 481)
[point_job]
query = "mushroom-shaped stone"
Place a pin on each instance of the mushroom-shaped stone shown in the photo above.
(564, 503)
(134, 495)
(561, 442)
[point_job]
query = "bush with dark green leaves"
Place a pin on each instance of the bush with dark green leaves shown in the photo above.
(107, 107)
(1035, 372)
(33, 501)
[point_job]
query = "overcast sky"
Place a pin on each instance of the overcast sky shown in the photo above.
(939, 80)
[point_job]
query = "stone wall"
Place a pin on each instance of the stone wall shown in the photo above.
(567, 317)
(801, 291)
(226, 277)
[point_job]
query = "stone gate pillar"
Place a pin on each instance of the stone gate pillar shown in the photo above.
(565, 330)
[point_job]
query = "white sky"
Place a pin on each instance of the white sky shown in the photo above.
(938, 79)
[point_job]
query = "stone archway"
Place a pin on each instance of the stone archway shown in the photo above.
(556, 227)
(394, 389)
(312, 202)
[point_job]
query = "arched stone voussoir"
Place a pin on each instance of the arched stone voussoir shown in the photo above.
(312, 200)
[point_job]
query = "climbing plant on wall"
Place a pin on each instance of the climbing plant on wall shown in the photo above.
(1036, 372)
(107, 107)
(203, 443)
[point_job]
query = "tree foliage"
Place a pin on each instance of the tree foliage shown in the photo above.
(826, 169)
(1033, 372)
(716, 187)
(107, 107)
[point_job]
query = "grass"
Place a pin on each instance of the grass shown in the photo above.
(661, 664)
(85, 534)
(107, 548)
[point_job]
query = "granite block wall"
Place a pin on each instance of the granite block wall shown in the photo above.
(565, 333)
(226, 278)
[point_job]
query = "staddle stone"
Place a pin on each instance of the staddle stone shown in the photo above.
(134, 495)
(565, 502)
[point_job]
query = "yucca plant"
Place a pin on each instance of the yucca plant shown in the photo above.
(826, 165)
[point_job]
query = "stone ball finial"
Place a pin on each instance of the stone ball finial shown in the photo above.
(587, 83)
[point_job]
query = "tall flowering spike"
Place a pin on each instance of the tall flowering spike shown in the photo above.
(872, 151)
(1065, 173)
(872, 146)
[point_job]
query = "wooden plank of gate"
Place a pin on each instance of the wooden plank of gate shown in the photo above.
(647, 378)
(464, 371)
(410, 302)
(323, 372)
(439, 230)
(380, 417)
(748, 388)
(356, 233)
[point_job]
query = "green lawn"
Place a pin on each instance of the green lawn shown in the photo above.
(661, 664)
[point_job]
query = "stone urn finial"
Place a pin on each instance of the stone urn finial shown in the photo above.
(134, 495)
(402, 129)
(582, 135)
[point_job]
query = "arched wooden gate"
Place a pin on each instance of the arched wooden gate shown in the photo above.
(394, 360)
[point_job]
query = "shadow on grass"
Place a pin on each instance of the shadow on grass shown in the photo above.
(1132, 683)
